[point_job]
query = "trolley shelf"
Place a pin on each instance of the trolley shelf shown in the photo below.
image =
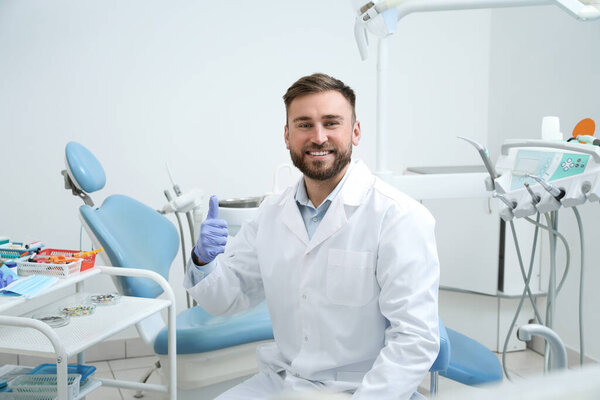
(82, 331)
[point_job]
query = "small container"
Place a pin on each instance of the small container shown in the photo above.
(50, 369)
(55, 320)
(104, 299)
(77, 310)
(44, 383)
(27, 267)
(88, 259)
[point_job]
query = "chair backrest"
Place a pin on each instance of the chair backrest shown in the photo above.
(133, 235)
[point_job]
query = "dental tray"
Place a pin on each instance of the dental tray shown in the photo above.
(57, 270)
(54, 320)
(88, 259)
(50, 369)
(44, 383)
(104, 299)
(78, 310)
(12, 251)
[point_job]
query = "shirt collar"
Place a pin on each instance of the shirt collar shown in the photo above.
(301, 196)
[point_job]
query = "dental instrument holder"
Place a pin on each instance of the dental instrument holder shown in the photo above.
(561, 174)
(544, 176)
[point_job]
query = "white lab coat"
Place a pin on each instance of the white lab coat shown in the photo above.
(354, 307)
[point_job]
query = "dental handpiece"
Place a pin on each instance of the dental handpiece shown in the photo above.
(485, 156)
(510, 204)
(534, 197)
(554, 191)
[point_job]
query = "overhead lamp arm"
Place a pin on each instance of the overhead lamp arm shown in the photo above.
(402, 8)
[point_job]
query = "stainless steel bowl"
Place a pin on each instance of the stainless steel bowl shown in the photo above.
(241, 202)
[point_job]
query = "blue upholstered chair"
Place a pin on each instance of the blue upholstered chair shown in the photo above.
(442, 362)
(471, 363)
(136, 236)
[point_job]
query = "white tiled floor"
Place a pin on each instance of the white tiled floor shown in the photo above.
(520, 365)
(130, 369)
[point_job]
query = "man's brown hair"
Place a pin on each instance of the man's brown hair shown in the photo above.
(317, 83)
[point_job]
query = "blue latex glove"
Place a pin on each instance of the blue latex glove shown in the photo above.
(213, 234)
(5, 279)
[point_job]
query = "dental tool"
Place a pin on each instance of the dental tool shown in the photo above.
(534, 197)
(588, 139)
(554, 191)
(510, 204)
(485, 156)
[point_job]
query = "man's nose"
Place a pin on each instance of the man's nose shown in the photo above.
(319, 135)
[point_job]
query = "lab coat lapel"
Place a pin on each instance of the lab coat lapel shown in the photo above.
(292, 219)
(334, 220)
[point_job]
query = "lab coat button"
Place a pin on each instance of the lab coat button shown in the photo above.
(304, 296)
(306, 338)
(297, 375)
(315, 219)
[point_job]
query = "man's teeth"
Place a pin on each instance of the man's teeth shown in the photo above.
(318, 153)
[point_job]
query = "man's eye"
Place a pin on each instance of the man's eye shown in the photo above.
(303, 125)
(331, 123)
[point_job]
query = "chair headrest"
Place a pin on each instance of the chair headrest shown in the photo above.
(83, 168)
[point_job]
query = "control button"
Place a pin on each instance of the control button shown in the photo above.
(566, 165)
(576, 165)
(579, 160)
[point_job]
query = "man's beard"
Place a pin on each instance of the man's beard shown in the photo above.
(315, 169)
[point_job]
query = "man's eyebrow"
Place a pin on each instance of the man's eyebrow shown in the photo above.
(333, 116)
(299, 119)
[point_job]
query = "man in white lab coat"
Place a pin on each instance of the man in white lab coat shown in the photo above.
(347, 264)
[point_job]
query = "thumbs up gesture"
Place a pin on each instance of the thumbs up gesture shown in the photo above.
(213, 234)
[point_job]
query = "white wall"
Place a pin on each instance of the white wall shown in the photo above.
(543, 62)
(199, 84)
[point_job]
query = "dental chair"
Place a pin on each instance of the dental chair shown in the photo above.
(213, 353)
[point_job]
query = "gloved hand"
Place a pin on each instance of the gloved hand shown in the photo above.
(213, 234)
(5, 279)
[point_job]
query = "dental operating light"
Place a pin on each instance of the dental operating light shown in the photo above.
(380, 17)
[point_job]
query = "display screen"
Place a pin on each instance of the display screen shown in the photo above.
(526, 166)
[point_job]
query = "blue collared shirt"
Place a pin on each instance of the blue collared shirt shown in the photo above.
(312, 216)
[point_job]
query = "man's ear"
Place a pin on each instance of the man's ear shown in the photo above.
(286, 137)
(356, 133)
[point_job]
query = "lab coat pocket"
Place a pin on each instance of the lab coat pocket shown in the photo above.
(350, 277)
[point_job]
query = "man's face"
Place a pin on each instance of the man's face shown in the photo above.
(320, 134)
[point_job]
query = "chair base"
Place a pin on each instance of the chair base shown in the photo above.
(196, 371)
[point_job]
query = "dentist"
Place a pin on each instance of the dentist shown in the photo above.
(347, 264)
